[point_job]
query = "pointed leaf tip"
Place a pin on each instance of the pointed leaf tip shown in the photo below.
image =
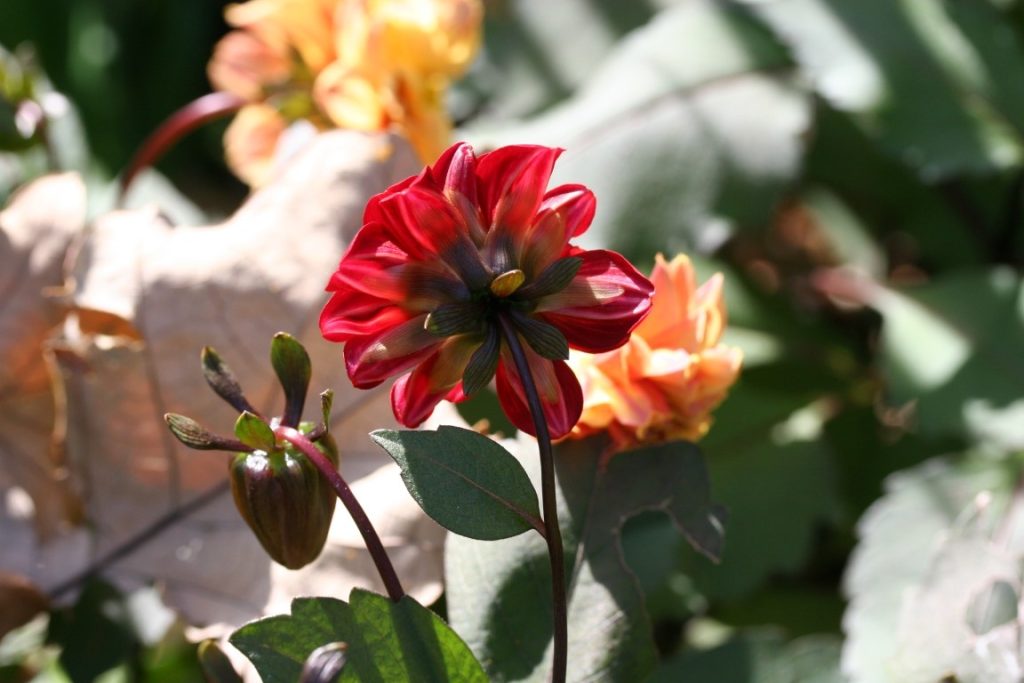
(294, 369)
(191, 434)
(220, 378)
(254, 432)
(326, 402)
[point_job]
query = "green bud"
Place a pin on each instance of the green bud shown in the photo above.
(285, 500)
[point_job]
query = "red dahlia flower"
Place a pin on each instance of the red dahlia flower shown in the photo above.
(442, 257)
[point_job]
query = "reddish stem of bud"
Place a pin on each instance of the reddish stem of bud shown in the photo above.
(348, 499)
(196, 113)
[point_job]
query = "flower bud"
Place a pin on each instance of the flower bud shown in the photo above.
(285, 500)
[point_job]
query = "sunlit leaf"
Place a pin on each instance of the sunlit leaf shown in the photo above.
(386, 641)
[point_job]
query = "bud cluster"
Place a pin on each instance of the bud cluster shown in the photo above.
(277, 489)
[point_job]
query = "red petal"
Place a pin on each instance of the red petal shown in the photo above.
(410, 403)
(576, 202)
(373, 358)
(438, 377)
(350, 314)
(601, 306)
(512, 181)
(375, 242)
(565, 213)
(560, 395)
(460, 173)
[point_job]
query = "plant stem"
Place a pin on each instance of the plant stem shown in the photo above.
(348, 499)
(547, 483)
(196, 113)
(141, 538)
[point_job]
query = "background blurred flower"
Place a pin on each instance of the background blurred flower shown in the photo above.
(366, 65)
(664, 383)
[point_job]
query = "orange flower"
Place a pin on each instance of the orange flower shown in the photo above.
(664, 383)
(368, 65)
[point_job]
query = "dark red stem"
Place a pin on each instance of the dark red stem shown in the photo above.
(553, 534)
(345, 495)
(196, 113)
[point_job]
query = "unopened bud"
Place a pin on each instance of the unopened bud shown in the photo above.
(285, 500)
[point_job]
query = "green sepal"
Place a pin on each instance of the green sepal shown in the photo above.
(220, 378)
(544, 338)
(455, 318)
(293, 368)
(191, 433)
(482, 364)
(254, 432)
(326, 402)
(553, 279)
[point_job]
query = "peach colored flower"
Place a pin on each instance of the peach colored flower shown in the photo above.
(664, 383)
(368, 65)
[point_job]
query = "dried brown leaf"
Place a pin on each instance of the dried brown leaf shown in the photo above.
(20, 600)
(36, 230)
(147, 297)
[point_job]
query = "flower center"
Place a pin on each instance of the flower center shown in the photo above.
(507, 283)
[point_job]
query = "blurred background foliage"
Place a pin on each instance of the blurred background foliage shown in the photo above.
(855, 168)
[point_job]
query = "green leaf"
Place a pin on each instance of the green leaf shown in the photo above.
(954, 346)
(386, 642)
(765, 445)
(467, 482)
(488, 584)
(680, 99)
(757, 657)
(293, 368)
(255, 433)
(933, 550)
(96, 634)
(528, 65)
(931, 81)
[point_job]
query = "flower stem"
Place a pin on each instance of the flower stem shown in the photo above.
(196, 113)
(348, 499)
(547, 483)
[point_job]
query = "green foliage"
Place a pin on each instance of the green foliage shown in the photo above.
(609, 631)
(953, 346)
(661, 102)
(386, 641)
(914, 72)
(105, 635)
(938, 566)
(757, 657)
(468, 483)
